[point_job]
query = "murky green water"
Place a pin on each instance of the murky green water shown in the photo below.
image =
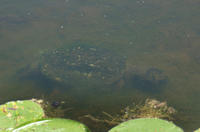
(158, 39)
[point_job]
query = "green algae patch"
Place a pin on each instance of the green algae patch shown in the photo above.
(16, 113)
(55, 124)
(146, 125)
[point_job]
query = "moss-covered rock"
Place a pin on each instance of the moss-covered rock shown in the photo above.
(146, 125)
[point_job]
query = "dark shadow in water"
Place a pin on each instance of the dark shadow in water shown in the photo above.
(42, 81)
(152, 81)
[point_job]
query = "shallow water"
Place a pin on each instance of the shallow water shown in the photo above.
(159, 39)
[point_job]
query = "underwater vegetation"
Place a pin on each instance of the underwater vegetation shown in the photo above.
(151, 108)
(28, 115)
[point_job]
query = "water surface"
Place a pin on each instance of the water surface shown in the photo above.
(159, 39)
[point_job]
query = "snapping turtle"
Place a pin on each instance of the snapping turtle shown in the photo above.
(151, 80)
(85, 60)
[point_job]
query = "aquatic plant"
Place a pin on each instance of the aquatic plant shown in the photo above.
(55, 124)
(55, 108)
(198, 130)
(28, 115)
(146, 125)
(16, 113)
(150, 109)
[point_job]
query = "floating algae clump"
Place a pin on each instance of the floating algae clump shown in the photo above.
(85, 60)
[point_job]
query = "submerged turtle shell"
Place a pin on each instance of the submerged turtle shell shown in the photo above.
(88, 61)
